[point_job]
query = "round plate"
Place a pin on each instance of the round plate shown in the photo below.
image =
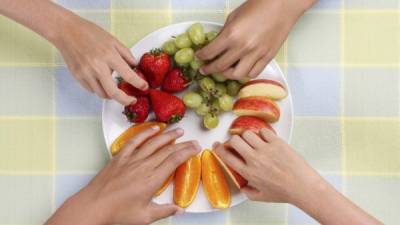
(114, 122)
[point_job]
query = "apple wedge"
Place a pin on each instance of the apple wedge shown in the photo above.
(243, 123)
(263, 87)
(237, 179)
(257, 106)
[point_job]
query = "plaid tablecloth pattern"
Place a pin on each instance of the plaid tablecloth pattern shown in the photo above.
(342, 61)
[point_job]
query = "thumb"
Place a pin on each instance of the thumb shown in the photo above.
(158, 212)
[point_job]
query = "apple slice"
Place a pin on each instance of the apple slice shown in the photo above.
(263, 87)
(243, 123)
(237, 179)
(260, 107)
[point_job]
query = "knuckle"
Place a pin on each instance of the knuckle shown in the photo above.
(220, 66)
(176, 158)
(113, 94)
(232, 36)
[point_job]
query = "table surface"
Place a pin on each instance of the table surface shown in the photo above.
(342, 62)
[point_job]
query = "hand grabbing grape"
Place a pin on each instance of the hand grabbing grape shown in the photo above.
(251, 36)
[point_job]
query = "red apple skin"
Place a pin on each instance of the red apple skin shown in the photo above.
(243, 123)
(256, 88)
(262, 81)
(257, 106)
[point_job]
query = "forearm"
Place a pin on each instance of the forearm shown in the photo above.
(330, 207)
(42, 16)
(79, 209)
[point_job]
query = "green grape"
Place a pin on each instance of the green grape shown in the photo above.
(184, 56)
(192, 99)
(218, 77)
(225, 102)
(196, 64)
(196, 34)
(169, 47)
(207, 84)
(203, 109)
(215, 108)
(232, 87)
(210, 121)
(244, 80)
(206, 96)
(219, 90)
(211, 35)
(183, 41)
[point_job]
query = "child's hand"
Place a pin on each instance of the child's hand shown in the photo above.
(270, 165)
(122, 192)
(252, 35)
(276, 173)
(92, 54)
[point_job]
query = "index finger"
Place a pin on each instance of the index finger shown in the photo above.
(114, 92)
(213, 49)
(126, 72)
(172, 162)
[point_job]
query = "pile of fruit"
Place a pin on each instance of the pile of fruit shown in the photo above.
(172, 69)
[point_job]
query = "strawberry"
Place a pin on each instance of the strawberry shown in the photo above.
(175, 81)
(131, 90)
(167, 108)
(137, 112)
(155, 65)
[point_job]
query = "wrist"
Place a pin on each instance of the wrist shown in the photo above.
(308, 185)
(312, 195)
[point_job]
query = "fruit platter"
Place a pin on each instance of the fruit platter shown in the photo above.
(208, 108)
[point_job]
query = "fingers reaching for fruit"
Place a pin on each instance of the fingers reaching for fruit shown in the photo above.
(117, 195)
(269, 165)
(93, 55)
(236, 54)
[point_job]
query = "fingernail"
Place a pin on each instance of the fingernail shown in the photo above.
(179, 131)
(180, 211)
(202, 71)
(133, 101)
(145, 86)
(215, 145)
(155, 128)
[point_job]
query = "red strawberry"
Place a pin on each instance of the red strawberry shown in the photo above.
(131, 90)
(175, 81)
(155, 65)
(139, 111)
(167, 108)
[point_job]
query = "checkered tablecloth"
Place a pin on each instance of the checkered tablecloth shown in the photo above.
(342, 61)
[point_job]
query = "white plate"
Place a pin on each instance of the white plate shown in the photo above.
(114, 123)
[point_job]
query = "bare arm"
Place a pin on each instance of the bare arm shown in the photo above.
(90, 52)
(276, 173)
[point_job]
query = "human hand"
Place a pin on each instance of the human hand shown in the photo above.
(270, 166)
(92, 54)
(251, 37)
(122, 192)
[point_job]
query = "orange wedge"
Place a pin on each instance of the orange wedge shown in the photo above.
(120, 141)
(187, 181)
(237, 179)
(215, 186)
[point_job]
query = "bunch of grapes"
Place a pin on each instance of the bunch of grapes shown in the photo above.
(214, 93)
